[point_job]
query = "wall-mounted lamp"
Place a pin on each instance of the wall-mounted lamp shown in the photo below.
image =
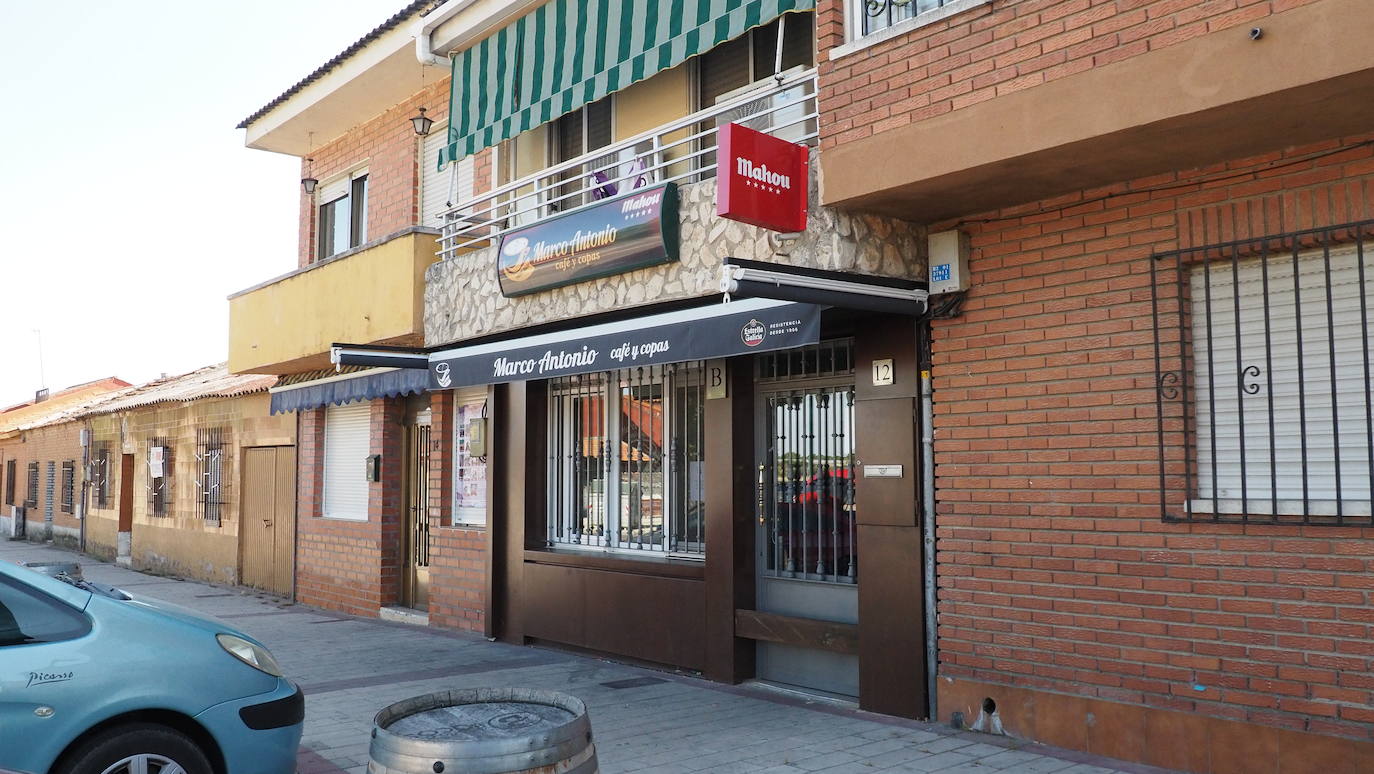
(308, 183)
(422, 123)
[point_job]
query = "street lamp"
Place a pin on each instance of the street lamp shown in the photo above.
(308, 183)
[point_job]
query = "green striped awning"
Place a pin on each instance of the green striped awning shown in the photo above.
(570, 52)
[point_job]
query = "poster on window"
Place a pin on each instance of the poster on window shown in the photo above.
(155, 462)
(470, 470)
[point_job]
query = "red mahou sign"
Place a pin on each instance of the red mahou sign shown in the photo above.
(760, 180)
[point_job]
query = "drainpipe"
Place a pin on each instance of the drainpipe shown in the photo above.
(428, 24)
(928, 508)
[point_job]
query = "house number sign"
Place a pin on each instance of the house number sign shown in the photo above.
(882, 372)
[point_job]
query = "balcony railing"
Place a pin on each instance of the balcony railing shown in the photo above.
(681, 151)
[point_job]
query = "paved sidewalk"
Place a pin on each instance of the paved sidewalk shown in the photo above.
(645, 721)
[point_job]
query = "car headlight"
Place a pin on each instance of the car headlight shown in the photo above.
(252, 654)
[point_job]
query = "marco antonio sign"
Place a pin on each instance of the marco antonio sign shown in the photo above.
(636, 230)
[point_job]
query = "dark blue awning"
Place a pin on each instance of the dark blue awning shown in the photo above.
(337, 390)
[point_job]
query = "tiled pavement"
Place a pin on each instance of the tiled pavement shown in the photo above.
(645, 721)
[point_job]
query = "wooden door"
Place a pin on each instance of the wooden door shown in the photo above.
(126, 493)
(267, 530)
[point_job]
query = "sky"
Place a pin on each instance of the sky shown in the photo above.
(129, 207)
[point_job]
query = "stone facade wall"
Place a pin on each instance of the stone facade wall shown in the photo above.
(463, 300)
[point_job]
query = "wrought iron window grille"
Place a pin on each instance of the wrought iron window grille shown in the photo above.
(1263, 397)
(68, 490)
(627, 460)
(160, 487)
(209, 479)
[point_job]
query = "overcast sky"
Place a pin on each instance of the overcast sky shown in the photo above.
(129, 207)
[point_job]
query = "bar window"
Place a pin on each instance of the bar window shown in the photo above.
(627, 460)
(1264, 388)
(11, 470)
(31, 490)
(210, 473)
(159, 476)
(68, 487)
(100, 475)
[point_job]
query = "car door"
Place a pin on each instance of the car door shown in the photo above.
(43, 667)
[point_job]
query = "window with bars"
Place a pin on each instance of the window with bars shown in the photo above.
(627, 460)
(870, 16)
(31, 490)
(210, 473)
(100, 475)
(1263, 389)
(159, 476)
(11, 470)
(68, 487)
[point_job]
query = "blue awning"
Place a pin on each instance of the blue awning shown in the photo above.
(338, 390)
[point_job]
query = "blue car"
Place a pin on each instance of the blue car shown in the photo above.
(94, 681)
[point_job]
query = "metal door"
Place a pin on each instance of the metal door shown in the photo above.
(267, 529)
(417, 516)
(807, 562)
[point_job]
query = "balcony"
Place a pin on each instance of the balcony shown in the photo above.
(682, 151)
(974, 133)
(372, 294)
(462, 297)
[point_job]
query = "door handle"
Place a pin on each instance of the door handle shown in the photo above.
(266, 522)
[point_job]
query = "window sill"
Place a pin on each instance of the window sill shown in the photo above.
(903, 27)
(650, 565)
(464, 525)
(1260, 506)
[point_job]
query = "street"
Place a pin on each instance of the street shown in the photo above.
(644, 720)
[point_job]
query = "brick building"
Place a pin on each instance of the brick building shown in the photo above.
(42, 464)
(1106, 464)
(1154, 529)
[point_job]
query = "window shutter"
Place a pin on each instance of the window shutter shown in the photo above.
(434, 182)
(1230, 384)
(346, 446)
(334, 189)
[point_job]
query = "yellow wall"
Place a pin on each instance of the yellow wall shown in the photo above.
(183, 543)
(373, 296)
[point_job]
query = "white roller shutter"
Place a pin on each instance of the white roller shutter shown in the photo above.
(435, 182)
(346, 446)
(1236, 397)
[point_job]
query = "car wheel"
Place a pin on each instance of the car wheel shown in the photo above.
(139, 748)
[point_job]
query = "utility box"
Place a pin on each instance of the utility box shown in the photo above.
(948, 258)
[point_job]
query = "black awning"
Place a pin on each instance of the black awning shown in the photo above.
(699, 333)
(337, 390)
(872, 293)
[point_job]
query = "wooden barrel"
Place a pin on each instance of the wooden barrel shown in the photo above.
(484, 731)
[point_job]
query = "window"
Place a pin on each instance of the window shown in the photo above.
(582, 131)
(28, 617)
(627, 460)
(740, 65)
(1269, 417)
(159, 476)
(68, 486)
(100, 475)
(210, 473)
(470, 457)
(343, 214)
(869, 16)
(347, 431)
(442, 189)
(31, 490)
(11, 470)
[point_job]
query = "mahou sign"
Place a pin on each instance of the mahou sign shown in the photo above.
(761, 180)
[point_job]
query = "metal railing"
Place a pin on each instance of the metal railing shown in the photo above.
(1263, 387)
(679, 151)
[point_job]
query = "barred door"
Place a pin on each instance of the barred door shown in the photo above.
(807, 563)
(417, 580)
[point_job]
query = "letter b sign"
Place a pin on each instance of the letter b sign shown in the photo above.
(715, 379)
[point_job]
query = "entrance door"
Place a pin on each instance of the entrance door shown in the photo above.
(807, 560)
(267, 532)
(124, 534)
(417, 515)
